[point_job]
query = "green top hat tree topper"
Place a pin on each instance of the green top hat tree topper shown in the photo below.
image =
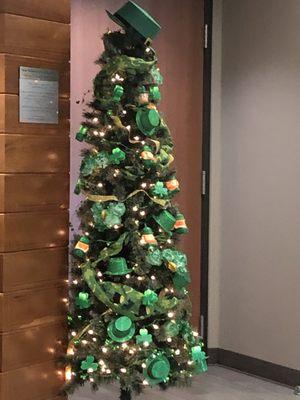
(129, 307)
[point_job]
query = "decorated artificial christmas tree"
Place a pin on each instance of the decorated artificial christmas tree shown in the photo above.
(129, 305)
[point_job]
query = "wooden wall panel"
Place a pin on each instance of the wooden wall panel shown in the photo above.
(34, 37)
(34, 185)
(9, 72)
(33, 192)
(33, 230)
(9, 118)
(19, 348)
(34, 153)
(28, 308)
(54, 10)
(27, 269)
(36, 382)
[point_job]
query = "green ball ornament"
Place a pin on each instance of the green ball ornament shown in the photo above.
(82, 133)
(121, 330)
(81, 247)
(157, 368)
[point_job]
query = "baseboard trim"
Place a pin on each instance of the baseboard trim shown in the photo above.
(254, 366)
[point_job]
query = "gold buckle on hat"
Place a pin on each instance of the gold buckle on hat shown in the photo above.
(148, 41)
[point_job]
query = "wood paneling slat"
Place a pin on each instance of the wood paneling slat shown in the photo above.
(34, 37)
(9, 72)
(19, 348)
(36, 382)
(27, 269)
(33, 230)
(33, 192)
(54, 10)
(34, 154)
(9, 118)
(29, 308)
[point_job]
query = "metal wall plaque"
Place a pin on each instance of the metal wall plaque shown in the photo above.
(38, 95)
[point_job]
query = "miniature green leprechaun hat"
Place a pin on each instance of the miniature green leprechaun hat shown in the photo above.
(121, 329)
(132, 16)
(157, 369)
(147, 120)
(117, 266)
(166, 220)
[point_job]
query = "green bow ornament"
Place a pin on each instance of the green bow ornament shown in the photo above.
(199, 358)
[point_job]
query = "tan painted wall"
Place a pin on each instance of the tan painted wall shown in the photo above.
(257, 189)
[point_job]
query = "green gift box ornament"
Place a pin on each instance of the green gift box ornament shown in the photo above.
(118, 93)
(166, 220)
(121, 330)
(136, 20)
(144, 337)
(82, 133)
(82, 247)
(199, 358)
(157, 368)
(147, 120)
(117, 266)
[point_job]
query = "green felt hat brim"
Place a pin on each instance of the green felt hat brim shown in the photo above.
(124, 272)
(156, 218)
(141, 128)
(151, 380)
(117, 338)
(115, 19)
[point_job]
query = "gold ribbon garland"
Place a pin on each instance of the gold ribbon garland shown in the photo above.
(102, 198)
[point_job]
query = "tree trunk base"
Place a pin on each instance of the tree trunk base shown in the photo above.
(125, 394)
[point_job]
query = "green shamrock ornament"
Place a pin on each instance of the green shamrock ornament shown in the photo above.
(88, 364)
(149, 298)
(143, 337)
(160, 190)
(82, 300)
(117, 156)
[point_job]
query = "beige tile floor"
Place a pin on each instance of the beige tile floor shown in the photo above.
(217, 384)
